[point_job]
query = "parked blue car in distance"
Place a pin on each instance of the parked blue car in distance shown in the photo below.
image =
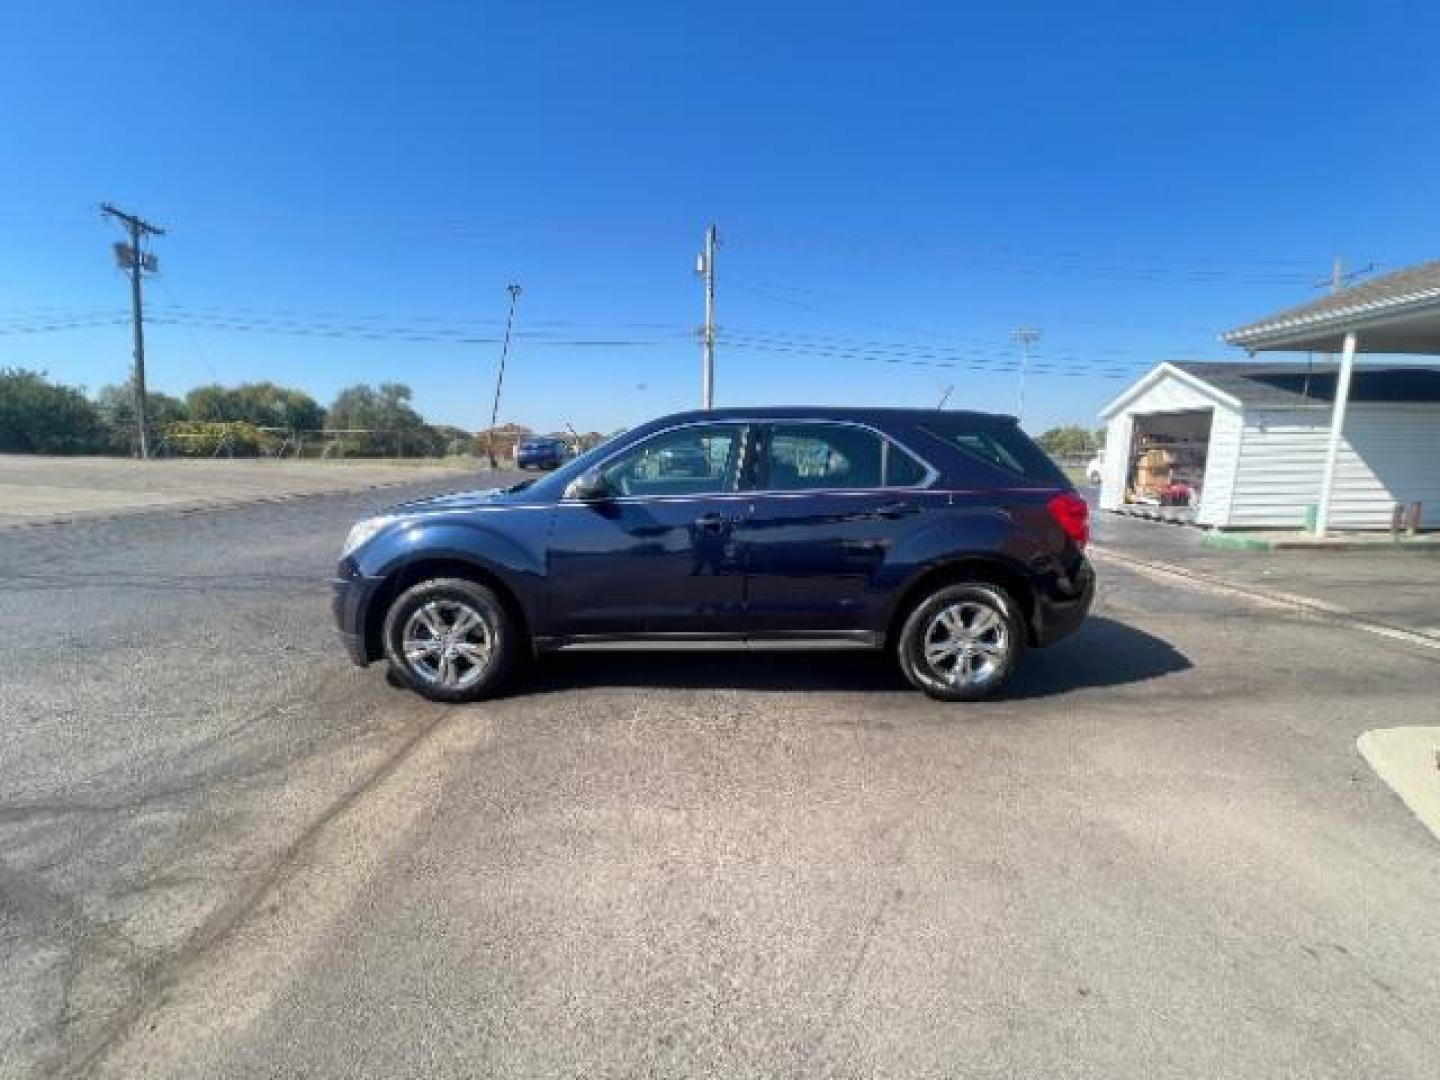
(948, 538)
(541, 452)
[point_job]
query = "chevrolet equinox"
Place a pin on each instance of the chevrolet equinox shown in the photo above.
(947, 538)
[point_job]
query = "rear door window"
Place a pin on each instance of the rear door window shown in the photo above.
(807, 457)
(999, 444)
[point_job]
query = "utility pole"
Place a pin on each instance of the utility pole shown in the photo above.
(705, 268)
(1025, 336)
(1341, 279)
(133, 257)
(514, 291)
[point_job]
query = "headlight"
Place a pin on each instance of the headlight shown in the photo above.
(362, 531)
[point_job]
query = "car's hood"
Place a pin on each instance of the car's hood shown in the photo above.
(459, 500)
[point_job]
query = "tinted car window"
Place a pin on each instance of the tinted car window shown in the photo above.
(811, 456)
(688, 461)
(1000, 445)
(805, 456)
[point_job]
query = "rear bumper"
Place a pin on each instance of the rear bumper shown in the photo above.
(351, 593)
(1061, 608)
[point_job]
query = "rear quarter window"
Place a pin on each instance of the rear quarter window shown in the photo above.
(1001, 447)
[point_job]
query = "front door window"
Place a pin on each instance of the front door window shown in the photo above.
(702, 460)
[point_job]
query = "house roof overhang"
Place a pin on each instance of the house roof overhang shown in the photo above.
(1396, 313)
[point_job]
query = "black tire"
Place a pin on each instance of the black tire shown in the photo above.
(441, 601)
(989, 658)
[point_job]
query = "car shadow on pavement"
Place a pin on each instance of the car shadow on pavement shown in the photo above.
(1102, 653)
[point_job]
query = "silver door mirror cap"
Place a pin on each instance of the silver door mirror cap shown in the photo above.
(589, 486)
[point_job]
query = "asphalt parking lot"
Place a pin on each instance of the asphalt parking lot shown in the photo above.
(226, 852)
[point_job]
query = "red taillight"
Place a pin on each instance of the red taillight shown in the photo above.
(1072, 513)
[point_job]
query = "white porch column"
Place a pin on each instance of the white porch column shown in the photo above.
(1337, 426)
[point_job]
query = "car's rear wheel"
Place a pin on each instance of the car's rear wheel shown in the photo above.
(962, 642)
(450, 639)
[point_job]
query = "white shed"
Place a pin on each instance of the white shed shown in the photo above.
(1243, 445)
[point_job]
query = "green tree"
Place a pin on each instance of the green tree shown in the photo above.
(41, 417)
(210, 403)
(454, 440)
(117, 409)
(263, 404)
(1070, 441)
(383, 421)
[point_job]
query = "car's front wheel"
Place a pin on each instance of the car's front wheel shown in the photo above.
(962, 642)
(450, 639)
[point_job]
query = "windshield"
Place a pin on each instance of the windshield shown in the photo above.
(553, 485)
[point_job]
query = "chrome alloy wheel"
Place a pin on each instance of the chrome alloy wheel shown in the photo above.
(448, 643)
(966, 644)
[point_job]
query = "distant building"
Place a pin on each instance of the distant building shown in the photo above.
(506, 436)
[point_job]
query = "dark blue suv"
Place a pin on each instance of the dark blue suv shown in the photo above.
(541, 452)
(946, 537)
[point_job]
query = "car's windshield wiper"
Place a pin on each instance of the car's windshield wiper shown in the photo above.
(521, 486)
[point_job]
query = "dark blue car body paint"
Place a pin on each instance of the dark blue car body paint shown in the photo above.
(735, 565)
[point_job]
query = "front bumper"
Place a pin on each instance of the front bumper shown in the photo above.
(351, 593)
(1062, 607)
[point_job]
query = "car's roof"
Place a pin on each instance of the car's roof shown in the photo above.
(826, 412)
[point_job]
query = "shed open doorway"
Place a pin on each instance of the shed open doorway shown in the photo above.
(1165, 468)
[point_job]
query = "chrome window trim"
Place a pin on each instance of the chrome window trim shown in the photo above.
(931, 473)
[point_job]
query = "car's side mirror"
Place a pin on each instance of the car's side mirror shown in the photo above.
(588, 486)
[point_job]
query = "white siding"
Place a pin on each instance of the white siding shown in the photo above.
(1117, 456)
(1171, 395)
(1389, 454)
(1166, 396)
(1222, 458)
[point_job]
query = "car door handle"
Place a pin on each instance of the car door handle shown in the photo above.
(896, 509)
(712, 522)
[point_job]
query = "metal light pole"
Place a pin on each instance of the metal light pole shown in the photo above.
(1025, 336)
(514, 291)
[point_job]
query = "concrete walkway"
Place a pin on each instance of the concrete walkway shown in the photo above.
(39, 489)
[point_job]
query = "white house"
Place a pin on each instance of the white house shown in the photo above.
(1251, 440)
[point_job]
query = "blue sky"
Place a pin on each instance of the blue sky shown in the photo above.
(349, 187)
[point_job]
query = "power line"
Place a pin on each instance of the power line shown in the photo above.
(1081, 264)
(1051, 365)
(1067, 366)
(970, 345)
(308, 315)
(68, 324)
(190, 333)
(999, 357)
